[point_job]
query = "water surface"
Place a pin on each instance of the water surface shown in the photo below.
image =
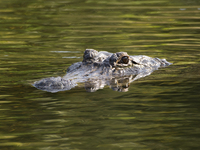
(42, 39)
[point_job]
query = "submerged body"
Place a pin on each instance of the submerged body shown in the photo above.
(103, 68)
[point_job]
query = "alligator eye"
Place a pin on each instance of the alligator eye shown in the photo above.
(125, 59)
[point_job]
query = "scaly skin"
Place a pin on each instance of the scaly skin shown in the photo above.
(103, 68)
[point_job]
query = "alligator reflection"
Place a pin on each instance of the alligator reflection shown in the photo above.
(117, 84)
(99, 69)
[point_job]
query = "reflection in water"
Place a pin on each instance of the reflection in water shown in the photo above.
(117, 84)
(103, 68)
(122, 84)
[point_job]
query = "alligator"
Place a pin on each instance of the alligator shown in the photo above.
(102, 68)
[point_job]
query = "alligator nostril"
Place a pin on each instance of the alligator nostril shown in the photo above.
(125, 59)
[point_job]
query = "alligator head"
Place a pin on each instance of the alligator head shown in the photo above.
(102, 68)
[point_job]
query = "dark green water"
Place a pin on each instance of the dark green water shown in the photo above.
(159, 112)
